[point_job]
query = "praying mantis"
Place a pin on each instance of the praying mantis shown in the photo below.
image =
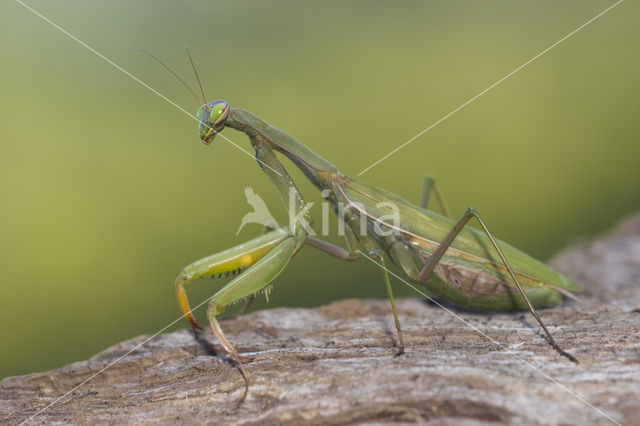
(451, 260)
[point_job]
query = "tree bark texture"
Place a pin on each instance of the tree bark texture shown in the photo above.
(336, 364)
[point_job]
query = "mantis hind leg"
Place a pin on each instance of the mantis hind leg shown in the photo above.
(428, 268)
(429, 187)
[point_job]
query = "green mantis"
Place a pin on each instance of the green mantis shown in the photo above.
(449, 259)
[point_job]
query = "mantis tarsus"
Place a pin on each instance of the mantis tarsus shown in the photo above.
(450, 260)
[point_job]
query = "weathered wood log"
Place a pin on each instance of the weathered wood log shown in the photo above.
(336, 364)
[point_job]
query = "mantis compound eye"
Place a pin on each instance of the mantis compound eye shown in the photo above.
(219, 112)
(212, 117)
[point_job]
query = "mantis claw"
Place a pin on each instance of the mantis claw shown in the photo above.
(564, 353)
(400, 352)
(238, 359)
(244, 358)
(197, 329)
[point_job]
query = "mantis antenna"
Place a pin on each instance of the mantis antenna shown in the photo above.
(174, 74)
(204, 98)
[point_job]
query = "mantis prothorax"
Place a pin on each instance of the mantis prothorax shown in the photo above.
(449, 259)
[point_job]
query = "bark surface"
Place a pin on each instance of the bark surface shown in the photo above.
(335, 364)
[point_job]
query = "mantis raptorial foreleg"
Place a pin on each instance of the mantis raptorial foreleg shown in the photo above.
(428, 268)
(260, 260)
(225, 263)
(264, 257)
(257, 278)
(428, 187)
(251, 298)
(247, 305)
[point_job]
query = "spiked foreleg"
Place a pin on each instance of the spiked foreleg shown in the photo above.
(255, 279)
(225, 263)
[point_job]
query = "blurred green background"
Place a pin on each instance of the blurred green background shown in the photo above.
(106, 191)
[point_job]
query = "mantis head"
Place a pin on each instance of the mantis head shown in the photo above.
(213, 117)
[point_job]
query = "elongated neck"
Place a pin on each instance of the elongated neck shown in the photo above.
(257, 129)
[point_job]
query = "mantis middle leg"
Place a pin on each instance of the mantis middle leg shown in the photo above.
(428, 268)
(352, 255)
